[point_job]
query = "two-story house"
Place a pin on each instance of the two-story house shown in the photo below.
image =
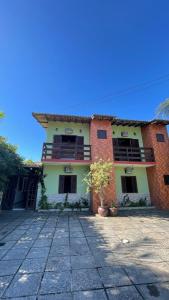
(138, 150)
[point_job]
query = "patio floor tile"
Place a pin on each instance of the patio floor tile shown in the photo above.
(85, 279)
(55, 282)
(90, 295)
(38, 252)
(32, 265)
(155, 291)
(124, 293)
(113, 276)
(9, 267)
(58, 264)
(24, 285)
(83, 262)
(4, 282)
(16, 254)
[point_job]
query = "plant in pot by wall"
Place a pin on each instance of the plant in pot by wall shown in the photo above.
(97, 180)
(113, 210)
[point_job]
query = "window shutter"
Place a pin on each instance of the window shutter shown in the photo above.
(115, 142)
(134, 143)
(79, 150)
(79, 140)
(57, 139)
(61, 184)
(123, 184)
(73, 183)
(134, 184)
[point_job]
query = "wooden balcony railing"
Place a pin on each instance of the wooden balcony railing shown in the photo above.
(133, 154)
(66, 151)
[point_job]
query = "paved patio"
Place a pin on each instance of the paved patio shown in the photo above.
(77, 257)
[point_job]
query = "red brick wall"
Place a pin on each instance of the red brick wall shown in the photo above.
(102, 148)
(158, 191)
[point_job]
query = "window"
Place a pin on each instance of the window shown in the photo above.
(166, 179)
(129, 184)
(160, 137)
(101, 134)
(67, 184)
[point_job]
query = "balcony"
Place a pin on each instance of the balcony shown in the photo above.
(133, 154)
(66, 152)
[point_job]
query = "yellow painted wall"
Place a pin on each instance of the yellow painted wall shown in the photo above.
(131, 130)
(141, 176)
(79, 129)
(52, 178)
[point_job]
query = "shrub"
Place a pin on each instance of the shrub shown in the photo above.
(43, 203)
(84, 202)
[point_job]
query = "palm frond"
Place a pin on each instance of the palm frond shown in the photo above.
(163, 109)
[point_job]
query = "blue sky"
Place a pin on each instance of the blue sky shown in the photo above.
(76, 57)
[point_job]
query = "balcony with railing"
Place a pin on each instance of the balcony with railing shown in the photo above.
(65, 151)
(133, 154)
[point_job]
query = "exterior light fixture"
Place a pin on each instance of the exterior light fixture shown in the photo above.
(129, 170)
(68, 169)
(124, 134)
(68, 130)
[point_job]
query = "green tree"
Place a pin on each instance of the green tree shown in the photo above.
(29, 162)
(98, 178)
(163, 109)
(1, 115)
(11, 163)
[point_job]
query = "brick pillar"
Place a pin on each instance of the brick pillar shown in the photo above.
(159, 192)
(102, 148)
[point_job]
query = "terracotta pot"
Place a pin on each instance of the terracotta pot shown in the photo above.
(113, 211)
(103, 211)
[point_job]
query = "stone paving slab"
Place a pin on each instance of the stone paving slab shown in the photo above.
(86, 279)
(9, 267)
(158, 291)
(24, 285)
(54, 282)
(32, 266)
(16, 254)
(83, 262)
(124, 293)
(4, 283)
(58, 264)
(90, 295)
(38, 252)
(113, 276)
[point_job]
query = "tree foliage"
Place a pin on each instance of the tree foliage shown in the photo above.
(1, 115)
(10, 162)
(29, 162)
(98, 178)
(163, 109)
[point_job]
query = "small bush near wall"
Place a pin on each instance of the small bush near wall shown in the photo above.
(127, 202)
(43, 203)
(60, 205)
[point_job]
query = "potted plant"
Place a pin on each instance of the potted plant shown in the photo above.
(97, 181)
(113, 210)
